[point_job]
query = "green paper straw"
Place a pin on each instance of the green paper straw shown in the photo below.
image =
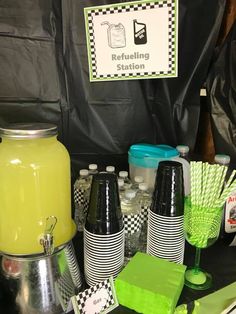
(211, 182)
(230, 180)
(199, 170)
(226, 193)
(193, 181)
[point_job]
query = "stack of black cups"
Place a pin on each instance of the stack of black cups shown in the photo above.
(104, 231)
(165, 237)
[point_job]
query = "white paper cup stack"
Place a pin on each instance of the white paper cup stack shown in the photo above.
(165, 238)
(103, 256)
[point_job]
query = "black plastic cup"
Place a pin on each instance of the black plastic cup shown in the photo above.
(168, 195)
(104, 215)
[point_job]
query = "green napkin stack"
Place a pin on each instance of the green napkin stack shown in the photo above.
(150, 285)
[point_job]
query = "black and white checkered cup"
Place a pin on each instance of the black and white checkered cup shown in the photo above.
(104, 231)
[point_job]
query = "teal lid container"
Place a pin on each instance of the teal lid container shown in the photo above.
(149, 155)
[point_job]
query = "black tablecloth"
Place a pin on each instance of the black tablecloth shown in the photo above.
(219, 260)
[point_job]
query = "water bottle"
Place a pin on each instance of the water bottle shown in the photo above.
(183, 152)
(81, 198)
(121, 186)
(144, 200)
(228, 224)
(127, 182)
(131, 215)
(143, 195)
(93, 169)
(137, 181)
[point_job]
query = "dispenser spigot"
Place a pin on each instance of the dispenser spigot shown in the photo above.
(47, 239)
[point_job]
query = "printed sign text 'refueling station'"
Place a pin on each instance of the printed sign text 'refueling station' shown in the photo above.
(132, 40)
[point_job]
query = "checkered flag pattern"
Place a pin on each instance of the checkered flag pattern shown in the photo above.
(92, 43)
(73, 266)
(170, 4)
(80, 198)
(65, 289)
(132, 223)
(83, 296)
(144, 214)
(171, 36)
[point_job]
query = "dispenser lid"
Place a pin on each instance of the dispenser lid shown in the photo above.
(148, 155)
(28, 130)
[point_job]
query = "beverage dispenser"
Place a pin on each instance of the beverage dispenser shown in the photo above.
(36, 227)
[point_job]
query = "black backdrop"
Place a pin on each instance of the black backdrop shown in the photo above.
(44, 78)
(221, 87)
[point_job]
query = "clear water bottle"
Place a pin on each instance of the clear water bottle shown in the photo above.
(183, 152)
(185, 160)
(121, 186)
(93, 169)
(131, 215)
(228, 224)
(143, 195)
(137, 181)
(125, 176)
(81, 198)
(110, 169)
(144, 200)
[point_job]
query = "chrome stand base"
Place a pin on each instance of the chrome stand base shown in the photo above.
(42, 284)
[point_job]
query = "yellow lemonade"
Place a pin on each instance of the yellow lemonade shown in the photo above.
(34, 184)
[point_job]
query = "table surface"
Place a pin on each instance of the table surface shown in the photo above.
(219, 260)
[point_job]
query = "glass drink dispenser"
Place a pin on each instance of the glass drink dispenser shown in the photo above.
(35, 196)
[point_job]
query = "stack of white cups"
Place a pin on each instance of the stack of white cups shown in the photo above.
(165, 237)
(103, 256)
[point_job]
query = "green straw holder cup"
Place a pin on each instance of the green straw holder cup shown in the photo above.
(202, 227)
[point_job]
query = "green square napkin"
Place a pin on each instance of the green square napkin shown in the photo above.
(150, 285)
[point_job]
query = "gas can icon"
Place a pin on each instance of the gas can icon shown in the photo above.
(115, 35)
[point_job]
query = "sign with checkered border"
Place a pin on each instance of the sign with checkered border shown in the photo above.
(132, 40)
(100, 298)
